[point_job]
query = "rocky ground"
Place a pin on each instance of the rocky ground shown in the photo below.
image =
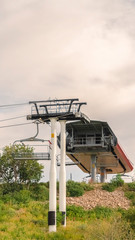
(99, 197)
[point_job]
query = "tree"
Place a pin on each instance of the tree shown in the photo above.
(19, 171)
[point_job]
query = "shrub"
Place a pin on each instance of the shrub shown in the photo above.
(22, 197)
(74, 189)
(11, 187)
(78, 213)
(109, 187)
(86, 186)
(46, 184)
(115, 183)
(130, 217)
(39, 192)
(101, 212)
(131, 186)
(131, 195)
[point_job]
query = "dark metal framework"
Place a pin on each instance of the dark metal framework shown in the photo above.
(62, 109)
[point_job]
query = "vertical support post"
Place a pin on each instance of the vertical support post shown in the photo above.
(93, 168)
(52, 180)
(62, 176)
(102, 174)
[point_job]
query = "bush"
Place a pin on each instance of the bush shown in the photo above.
(131, 186)
(131, 195)
(74, 189)
(78, 213)
(10, 187)
(101, 212)
(109, 187)
(39, 192)
(86, 186)
(130, 217)
(46, 184)
(115, 183)
(22, 197)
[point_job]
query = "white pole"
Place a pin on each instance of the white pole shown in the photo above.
(62, 174)
(52, 182)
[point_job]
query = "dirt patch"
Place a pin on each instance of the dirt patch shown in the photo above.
(99, 197)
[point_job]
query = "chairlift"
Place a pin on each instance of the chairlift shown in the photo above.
(36, 155)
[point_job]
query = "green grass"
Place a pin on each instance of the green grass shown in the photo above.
(30, 222)
(129, 190)
(24, 217)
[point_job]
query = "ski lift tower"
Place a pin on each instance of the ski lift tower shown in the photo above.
(61, 110)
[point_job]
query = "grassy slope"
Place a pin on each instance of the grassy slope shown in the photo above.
(26, 221)
(30, 222)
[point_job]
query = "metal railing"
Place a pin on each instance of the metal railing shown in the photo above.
(90, 141)
(56, 108)
(32, 156)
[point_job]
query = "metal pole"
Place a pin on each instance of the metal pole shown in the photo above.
(102, 174)
(52, 182)
(62, 176)
(93, 168)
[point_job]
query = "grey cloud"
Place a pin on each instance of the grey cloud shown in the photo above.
(76, 48)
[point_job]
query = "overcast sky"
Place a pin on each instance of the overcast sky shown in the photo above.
(69, 49)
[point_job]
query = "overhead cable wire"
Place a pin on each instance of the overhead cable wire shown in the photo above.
(15, 125)
(12, 118)
(13, 105)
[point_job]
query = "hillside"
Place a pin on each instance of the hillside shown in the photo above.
(24, 213)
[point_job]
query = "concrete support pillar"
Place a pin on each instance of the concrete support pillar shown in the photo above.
(93, 168)
(52, 180)
(102, 174)
(62, 174)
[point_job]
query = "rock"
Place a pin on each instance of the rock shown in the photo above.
(100, 197)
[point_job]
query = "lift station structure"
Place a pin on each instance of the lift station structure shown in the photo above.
(94, 145)
(89, 143)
